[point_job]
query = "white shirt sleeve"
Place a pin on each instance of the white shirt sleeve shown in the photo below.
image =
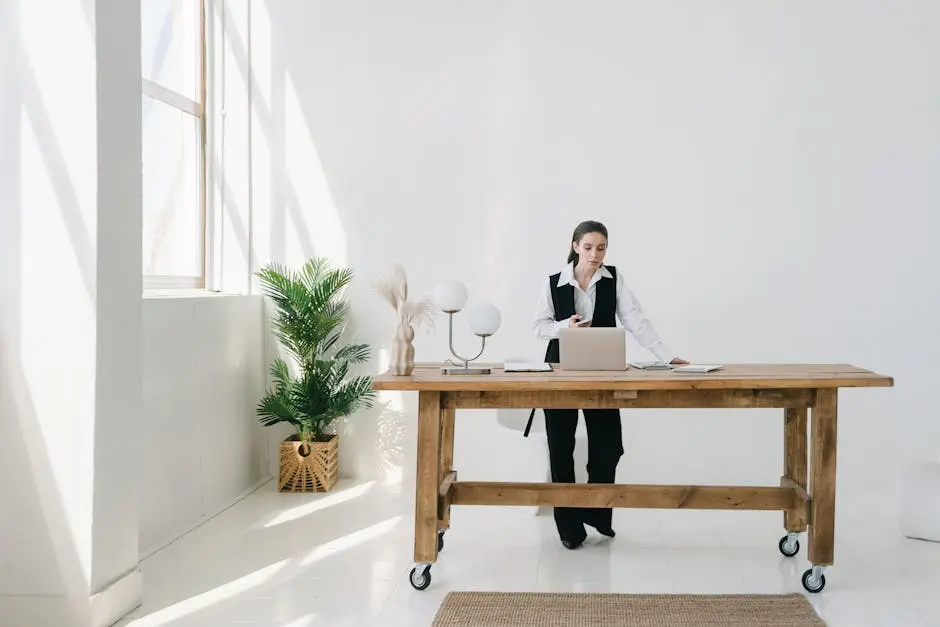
(544, 323)
(635, 321)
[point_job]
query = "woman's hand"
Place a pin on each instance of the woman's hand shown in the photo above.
(679, 362)
(575, 322)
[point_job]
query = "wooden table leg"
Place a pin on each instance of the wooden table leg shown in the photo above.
(794, 462)
(427, 476)
(823, 483)
(448, 414)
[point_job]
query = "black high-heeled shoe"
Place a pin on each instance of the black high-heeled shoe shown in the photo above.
(571, 544)
(606, 531)
(603, 530)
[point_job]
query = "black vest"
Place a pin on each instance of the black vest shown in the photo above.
(605, 306)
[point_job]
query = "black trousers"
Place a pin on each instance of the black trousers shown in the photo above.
(605, 448)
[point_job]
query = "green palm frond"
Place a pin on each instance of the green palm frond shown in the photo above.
(330, 343)
(281, 375)
(327, 287)
(354, 353)
(312, 271)
(276, 407)
(336, 309)
(354, 395)
(340, 372)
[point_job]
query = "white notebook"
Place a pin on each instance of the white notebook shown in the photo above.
(524, 366)
(697, 368)
(651, 365)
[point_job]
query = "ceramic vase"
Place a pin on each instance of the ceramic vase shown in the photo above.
(403, 351)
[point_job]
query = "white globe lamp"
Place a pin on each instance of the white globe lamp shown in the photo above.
(485, 320)
(451, 297)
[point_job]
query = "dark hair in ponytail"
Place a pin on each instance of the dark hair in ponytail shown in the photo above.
(588, 226)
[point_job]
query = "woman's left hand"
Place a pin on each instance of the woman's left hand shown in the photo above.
(679, 362)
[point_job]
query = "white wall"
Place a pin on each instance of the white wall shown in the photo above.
(203, 374)
(70, 312)
(767, 172)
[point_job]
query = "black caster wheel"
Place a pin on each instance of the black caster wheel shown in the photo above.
(813, 583)
(787, 548)
(420, 579)
(440, 541)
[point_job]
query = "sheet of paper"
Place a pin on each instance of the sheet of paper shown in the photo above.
(698, 368)
(524, 366)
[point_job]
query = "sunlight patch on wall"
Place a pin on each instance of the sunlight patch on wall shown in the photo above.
(313, 218)
(384, 359)
(263, 192)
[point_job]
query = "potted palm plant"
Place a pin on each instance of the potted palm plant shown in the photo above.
(309, 321)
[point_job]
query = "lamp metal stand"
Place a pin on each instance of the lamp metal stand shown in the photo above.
(466, 368)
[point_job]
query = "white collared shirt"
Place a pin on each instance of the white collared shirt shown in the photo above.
(629, 312)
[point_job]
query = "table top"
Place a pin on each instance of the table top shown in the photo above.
(428, 376)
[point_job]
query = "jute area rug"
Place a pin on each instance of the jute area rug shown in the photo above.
(547, 609)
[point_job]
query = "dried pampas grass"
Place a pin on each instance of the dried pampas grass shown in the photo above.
(394, 289)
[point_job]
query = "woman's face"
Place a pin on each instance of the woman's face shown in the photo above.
(591, 250)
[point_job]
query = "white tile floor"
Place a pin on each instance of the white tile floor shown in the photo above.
(288, 560)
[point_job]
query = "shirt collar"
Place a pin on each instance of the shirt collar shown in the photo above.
(567, 275)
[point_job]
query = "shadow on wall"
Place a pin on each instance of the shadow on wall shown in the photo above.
(57, 172)
(42, 549)
(376, 440)
(374, 443)
(292, 202)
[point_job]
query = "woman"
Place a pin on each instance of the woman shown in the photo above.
(588, 293)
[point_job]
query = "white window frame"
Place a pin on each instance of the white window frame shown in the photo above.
(196, 109)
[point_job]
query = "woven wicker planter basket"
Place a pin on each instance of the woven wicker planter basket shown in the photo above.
(314, 468)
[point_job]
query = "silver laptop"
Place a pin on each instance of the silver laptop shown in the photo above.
(600, 348)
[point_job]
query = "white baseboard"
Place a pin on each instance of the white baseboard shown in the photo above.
(30, 611)
(117, 600)
(159, 546)
(100, 610)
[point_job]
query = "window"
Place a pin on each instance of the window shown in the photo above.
(173, 61)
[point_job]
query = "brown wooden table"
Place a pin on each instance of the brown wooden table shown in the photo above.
(806, 501)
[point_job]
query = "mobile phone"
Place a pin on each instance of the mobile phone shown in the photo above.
(583, 323)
